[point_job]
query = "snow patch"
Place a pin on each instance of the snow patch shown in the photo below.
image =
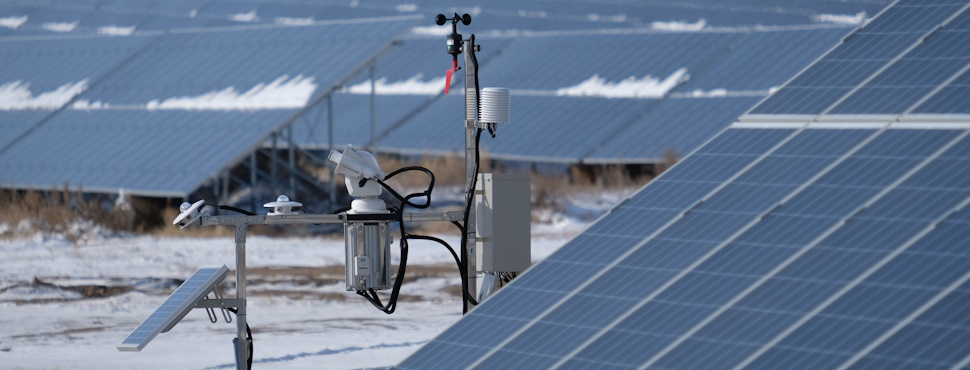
(281, 93)
(411, 86)
(646, 87)
(406, 8)
(13, 22)
(431, 30)
(244, 17)
(116, 30)
(679, 26)
(17, 95)
(606, 18)
(846, 19)
(293, 21)
(60, 26)
(84, 104)
(716, 93)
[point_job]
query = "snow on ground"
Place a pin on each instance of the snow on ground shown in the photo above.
(301, 315)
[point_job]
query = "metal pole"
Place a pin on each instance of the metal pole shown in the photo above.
(272, 166)
(333, 174)
(225, 187)
(471, 116)
(242, 342)
(252, 180)
(292, 157)
(373, 109)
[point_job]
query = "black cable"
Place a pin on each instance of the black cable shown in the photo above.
(406, 200)
(340, 210)
(371, 294)
(234, 209)
(249, 337)
(461, 266)
(469, 197)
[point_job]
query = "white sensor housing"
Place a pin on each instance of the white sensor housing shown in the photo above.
(189, 213)
(356, 166)
(282, 206)
(495, 106)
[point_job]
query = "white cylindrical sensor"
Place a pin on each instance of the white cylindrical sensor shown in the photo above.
(496, 104)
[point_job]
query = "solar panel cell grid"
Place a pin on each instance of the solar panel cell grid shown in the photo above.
(917, 73)
(718, 280)
(877, 43)
(587, 254)
(700, 231)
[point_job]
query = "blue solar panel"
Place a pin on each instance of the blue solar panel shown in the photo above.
(624, 227)
(916, 74)
(679, 125)
(674, 312)
(764, 60)
(196, 63)
(175, 307)
(13, 124)
(877, 43)
(570, 127)
(954, 98)
(352, 121)
(162, 153)
(568, 60)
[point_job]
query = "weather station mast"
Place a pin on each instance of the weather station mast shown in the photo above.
(494, 223)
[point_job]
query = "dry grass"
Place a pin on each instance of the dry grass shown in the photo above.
(61, 211)
(74, 214)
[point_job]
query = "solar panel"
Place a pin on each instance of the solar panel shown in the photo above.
(182, 300)
(863, 53)
(840, 245)
(677, 124)
(953, 98)
(936, 59)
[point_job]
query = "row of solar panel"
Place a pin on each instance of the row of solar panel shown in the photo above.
(895, 64)
(120, 143)
(765, 247)
(590, 129)
(495, 15)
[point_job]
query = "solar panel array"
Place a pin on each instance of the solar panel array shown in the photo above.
(127, 59)
(725, 72)
(885, 59)
(110, 137)
(174, 308)
(783, 242)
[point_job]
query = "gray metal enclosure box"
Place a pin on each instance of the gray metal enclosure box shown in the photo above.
(503, 220)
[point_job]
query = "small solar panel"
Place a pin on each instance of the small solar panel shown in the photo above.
(175, 307)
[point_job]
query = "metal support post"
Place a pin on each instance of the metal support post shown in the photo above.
(471, 147)
(272, 165)
(252, 180)
(373, 109)
(291, 154)
(242, 342)
(333, 168)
